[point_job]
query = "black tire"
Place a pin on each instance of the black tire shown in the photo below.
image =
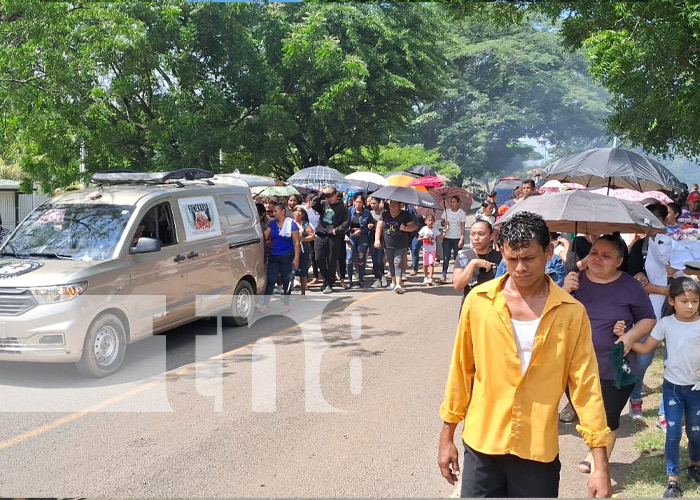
(243, 304)
(104, 347)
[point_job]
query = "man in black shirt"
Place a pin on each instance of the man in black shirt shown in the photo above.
(334, 222)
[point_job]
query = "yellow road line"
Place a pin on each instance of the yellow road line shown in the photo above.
(172, 376)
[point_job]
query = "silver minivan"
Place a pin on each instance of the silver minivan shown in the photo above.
(90, 271)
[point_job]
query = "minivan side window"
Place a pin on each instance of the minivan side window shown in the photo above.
(237, 210)
(157, 223)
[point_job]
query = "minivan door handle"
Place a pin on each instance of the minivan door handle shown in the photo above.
(192, 255)
(179, 258)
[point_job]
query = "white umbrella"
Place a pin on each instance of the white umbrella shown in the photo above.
(367, 177)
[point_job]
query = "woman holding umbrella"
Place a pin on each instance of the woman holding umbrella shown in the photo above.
(395, 227)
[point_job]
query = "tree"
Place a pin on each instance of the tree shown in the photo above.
(350, 75)
(511, 81)
(646, 54)
(396, 157)
(162, 85)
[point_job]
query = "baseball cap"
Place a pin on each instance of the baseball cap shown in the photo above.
(693, 196)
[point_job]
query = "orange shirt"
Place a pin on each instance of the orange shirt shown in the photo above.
(504, 411)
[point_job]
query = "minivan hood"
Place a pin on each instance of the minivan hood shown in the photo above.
(25, 272)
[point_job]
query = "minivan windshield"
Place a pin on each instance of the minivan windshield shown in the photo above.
(69, 231)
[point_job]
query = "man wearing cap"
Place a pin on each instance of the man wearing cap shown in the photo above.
(691, 211)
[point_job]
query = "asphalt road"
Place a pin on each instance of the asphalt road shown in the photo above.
(347, 406)
(339, 400)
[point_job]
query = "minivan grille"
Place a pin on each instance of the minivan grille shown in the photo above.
(14, 301)
(6, 346)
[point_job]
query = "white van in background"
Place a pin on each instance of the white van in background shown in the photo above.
(90, 271)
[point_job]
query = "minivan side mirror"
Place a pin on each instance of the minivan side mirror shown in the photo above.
(146, 245)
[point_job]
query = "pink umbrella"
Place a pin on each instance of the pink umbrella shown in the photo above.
(632, 195)
(621, 194)
(555, 186)
(658, 196)
(430, 181)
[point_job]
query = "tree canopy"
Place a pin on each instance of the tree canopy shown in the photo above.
(162, 85)
(510, 81)
(647, 54)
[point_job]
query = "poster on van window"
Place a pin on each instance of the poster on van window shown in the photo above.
(200, 217)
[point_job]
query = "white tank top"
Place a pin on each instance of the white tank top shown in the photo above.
(524, 339)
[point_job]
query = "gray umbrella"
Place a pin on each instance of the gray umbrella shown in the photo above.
(318, 177)
(421, 170)
(406, 195)
(613, 167)
(586, 212)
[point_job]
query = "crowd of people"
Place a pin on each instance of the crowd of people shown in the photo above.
(597, 347)
(332, 238)
(632, 299)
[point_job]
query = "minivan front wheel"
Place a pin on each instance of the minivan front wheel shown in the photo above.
(104, 347)
(243, 303)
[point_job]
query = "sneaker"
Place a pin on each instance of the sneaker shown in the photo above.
(356, 284)
(636, 409)
(327, 290)
(278, 290)
(661, 423)
(376, 284)
(694, 473)
(427, 281)
(398, 289)
(384, 282)
(392, 286)
(673, 490)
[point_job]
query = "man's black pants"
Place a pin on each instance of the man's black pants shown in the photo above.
(327, 249)
(503, 476)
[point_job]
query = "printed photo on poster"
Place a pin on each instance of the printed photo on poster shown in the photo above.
(200, 217)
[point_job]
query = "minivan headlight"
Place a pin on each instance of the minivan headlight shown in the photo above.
(56, 294)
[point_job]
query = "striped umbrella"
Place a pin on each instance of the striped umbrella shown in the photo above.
(318, 177)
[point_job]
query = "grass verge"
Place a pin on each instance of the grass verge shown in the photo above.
(647, 477)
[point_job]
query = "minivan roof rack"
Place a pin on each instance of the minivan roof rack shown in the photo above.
(125, 176)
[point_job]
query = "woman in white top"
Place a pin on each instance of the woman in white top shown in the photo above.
(453, 219)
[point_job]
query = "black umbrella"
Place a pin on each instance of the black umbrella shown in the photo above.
(421, 170)
(406, 195)
(613, 167)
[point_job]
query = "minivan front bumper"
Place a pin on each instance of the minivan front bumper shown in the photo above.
(46, 333)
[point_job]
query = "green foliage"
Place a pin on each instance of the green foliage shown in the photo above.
(510, 81)
(163, 85)
(396, 157)
(646, 54)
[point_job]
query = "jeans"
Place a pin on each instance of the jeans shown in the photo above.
(416, 245)
(357, 247)
(643, 363)
(450, 246)
(377, 258)
(276, 265)
(680, 400)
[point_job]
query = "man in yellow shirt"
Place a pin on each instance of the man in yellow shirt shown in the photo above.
(520, 340)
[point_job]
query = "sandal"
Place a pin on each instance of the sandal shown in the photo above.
(261, 309)
(584, 467)
(285, 310)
